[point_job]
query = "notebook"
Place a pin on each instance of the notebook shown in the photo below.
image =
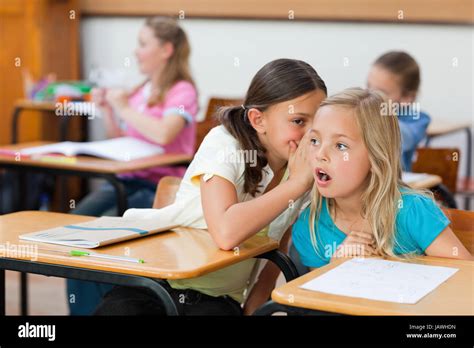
(99, 232)
(118, 149)
(381, 280)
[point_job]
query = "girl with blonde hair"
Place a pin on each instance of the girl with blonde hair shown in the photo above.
(360, 206)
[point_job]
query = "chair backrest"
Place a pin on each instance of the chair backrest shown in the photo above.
(462, 226)
(443, 162)
(166, 191)
(210, 121)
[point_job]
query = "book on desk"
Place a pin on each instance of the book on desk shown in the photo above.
(99, 232)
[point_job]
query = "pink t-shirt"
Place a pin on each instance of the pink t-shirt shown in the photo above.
(181, 100)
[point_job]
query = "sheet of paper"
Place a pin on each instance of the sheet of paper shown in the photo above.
(381, 280)
(409, 177)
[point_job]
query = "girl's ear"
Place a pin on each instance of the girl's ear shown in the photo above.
(409, 97)
(167, 50)
(256, 119)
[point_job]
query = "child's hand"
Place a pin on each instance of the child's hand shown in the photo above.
(117, 97)
(98, 97)
(298, 163)
(357, 243)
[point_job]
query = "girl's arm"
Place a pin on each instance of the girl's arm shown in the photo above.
(161, 131)
(267, 278)
(448, 245)
(230, 222)
(111, 127)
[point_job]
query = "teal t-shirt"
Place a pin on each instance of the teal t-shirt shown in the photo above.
(419, 221)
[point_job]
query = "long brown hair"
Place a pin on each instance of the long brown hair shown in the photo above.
(177, 68)
(278, 81)
(405, 67)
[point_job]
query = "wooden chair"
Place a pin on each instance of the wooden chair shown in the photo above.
(444, 163)
(166, 191)
(462, 224)
(210, 121)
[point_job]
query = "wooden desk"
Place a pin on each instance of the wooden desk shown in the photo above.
(434, 183)
(178, 254)
(85, 166)
(440, 128)
(453, 297)
(427, 182)
(49, 106)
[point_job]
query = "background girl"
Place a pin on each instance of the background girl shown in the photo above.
(161, 111)
(397, 74)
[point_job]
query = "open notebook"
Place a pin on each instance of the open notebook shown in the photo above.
(118, 149)
(99, 232)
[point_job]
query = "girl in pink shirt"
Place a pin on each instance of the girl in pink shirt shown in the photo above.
(161, 111)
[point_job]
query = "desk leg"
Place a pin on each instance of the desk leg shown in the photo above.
(283, 262)
(467, 199)
(15, 117)
(3, 293)
(121, 193)
(23, 276)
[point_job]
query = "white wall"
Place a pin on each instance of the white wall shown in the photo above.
(446, 90)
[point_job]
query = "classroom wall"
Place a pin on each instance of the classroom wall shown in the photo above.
(227, 53)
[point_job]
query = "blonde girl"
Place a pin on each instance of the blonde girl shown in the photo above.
(360, 206)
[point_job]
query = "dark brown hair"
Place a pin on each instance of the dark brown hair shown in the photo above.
(404, 66)
(278, 81)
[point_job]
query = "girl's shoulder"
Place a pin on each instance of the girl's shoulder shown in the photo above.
(182, 86)
(219, 137)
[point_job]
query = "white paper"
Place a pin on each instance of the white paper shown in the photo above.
(118, 149)
(409, 177)
(381, 280)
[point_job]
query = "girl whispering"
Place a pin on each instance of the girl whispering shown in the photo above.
(220, 190)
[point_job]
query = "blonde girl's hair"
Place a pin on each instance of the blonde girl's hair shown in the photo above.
(177, 68)
(382, 198)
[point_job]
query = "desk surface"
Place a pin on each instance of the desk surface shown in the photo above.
(181, 253)
(441, 127)
(427, 182)
(92, 164)
(35, 105)
(453, 297)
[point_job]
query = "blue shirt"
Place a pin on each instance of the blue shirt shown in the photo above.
(413, 130)
(418, 222)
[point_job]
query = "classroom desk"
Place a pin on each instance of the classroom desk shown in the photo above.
(453, 297)
(428, 182)
(178, 254)
(89, 167)
(26, 104)
(435, 183)
(441, 128)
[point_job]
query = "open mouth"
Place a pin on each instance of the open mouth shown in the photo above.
(322, 175)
